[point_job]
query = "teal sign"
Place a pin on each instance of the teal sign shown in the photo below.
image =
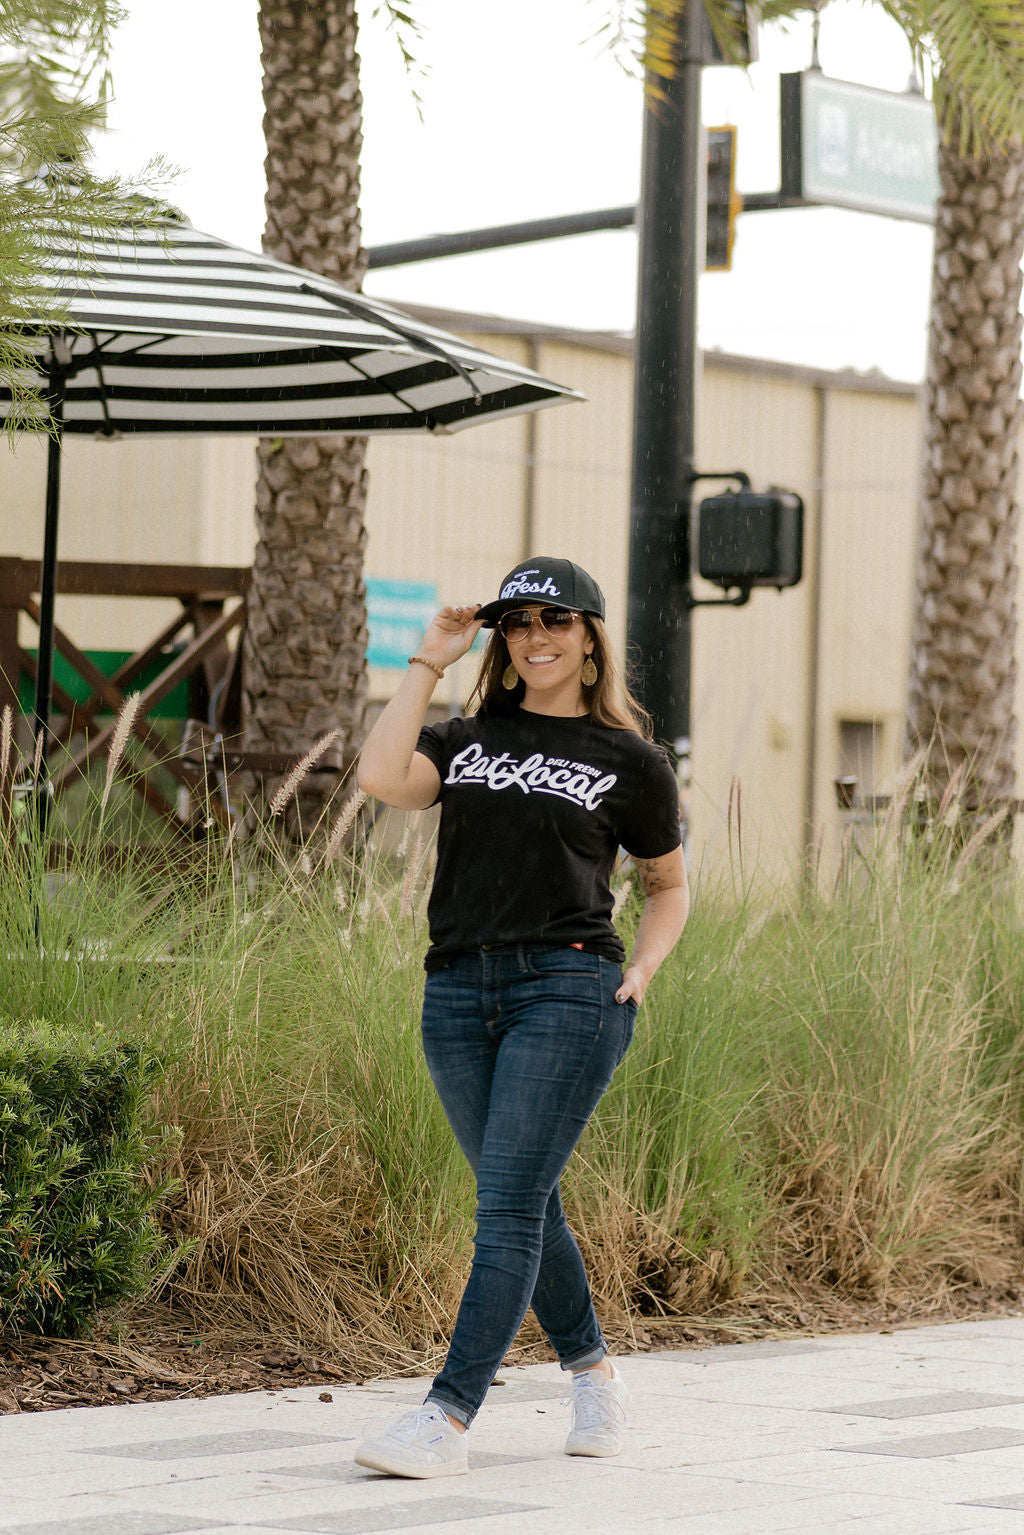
(856, 147)
(397, 614)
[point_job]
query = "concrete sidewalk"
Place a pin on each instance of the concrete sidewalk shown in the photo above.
(917, 1431)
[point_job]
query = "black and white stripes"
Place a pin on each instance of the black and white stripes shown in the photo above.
(175, 331)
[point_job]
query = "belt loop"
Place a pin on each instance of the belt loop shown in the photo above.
(522, 956)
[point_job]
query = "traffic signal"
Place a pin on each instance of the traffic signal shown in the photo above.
(723, 200)
(746, 539)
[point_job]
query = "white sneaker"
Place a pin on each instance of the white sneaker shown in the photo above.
(598, 1414)
(419, 1443)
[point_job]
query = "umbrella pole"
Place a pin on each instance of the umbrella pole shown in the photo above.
(48, 589)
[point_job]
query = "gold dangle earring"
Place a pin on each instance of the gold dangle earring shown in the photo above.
(588, 676)
(509, 677)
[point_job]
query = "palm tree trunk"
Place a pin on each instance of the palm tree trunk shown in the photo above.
(963, 663)
(305, 657)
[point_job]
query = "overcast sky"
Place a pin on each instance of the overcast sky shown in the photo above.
(524, 116)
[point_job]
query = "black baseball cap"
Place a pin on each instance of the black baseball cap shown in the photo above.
(555, 583)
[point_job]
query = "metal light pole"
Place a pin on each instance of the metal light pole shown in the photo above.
(665, 366)
(48, 577)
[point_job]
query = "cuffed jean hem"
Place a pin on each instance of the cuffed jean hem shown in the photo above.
(450, 1408)
(586, 1361)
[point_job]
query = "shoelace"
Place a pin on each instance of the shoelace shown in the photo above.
(593, 1406)
(409, 1425)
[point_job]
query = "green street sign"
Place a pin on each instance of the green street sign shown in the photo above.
(855, 147)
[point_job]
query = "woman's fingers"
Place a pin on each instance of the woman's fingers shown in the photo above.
(462, 616)
(633, 985)
(451, 632)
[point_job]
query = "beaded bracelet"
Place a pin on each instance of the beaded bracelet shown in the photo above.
(424, 662)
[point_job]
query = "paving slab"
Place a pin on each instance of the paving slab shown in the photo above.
(406, 1516)
(923, 1406)
(246, 1442)
(832, 1512)
(916, 1432)
(935, 1482)
(140, 1522)
(929, 1446)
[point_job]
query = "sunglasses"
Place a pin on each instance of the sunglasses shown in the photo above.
(519, 622)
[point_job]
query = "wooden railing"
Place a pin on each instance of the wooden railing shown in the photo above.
(202, 644)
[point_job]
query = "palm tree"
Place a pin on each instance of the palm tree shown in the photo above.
(963, 653)
(305, 649)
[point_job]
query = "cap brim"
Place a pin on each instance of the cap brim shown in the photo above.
(489, 614)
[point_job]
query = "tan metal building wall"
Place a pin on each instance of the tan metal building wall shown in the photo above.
(798, 689)
(751, 670)
(788, 692)
(186, 501)
(449, 511)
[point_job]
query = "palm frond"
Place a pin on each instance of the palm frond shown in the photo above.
(975, 51)
(643, 34)
(407, 30)
(784, 10)
(972, 49)
(620, 31)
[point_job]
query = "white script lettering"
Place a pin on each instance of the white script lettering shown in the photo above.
(537, 774)
(521, 586)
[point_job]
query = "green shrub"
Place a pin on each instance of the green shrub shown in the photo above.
(75, 1210)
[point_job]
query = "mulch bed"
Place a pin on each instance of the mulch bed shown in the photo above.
(37, 1374)
(155, 1355)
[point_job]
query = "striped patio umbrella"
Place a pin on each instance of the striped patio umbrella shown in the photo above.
(172, 331)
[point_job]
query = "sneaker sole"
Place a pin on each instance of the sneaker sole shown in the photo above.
(591, 1450)
(392, 1466)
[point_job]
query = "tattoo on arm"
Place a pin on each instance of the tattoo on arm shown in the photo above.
(652, 875)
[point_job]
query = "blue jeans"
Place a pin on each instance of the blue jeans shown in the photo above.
(521, 1044)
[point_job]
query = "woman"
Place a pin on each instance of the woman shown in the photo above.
(527, 1009)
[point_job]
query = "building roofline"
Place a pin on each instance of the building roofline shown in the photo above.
(621, 345)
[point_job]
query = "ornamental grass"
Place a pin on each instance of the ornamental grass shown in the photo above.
(824, 1097)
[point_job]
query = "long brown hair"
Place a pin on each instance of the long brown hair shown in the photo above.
(609, 701)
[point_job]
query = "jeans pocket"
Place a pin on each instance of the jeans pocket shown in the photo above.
(567, 963)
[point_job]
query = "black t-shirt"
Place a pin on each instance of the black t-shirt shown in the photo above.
(533, 811)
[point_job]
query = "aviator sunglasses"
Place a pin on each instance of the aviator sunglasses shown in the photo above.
(519, 622)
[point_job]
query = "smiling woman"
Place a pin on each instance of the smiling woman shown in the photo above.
(550, 649)
(528, 1009)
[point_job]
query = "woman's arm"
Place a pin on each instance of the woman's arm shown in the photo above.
(666, 904)
(390, 768)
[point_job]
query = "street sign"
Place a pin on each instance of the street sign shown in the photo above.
(856, 147)
(397, 613)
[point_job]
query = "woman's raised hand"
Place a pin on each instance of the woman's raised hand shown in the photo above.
(450, 635)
